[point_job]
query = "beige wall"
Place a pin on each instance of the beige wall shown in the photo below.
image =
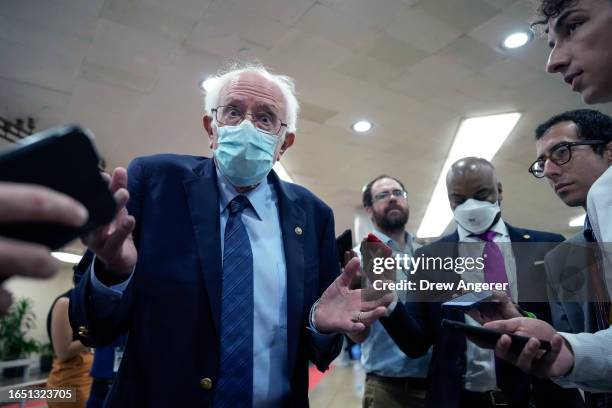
(42, 293)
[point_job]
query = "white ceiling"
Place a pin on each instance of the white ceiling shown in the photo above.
(129, 70)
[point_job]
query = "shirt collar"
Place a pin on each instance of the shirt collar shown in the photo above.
(257, 196)
(394, 245)
(499, 227)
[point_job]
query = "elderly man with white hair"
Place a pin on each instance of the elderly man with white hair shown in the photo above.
(224, 277)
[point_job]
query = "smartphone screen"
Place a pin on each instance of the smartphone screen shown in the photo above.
(468, 300)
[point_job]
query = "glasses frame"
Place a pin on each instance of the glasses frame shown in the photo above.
(404, 194)
(216, 112)
(569, 146)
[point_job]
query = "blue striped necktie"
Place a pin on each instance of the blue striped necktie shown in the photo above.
(235, 385)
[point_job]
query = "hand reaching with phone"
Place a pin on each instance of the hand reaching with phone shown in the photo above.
(30, 203)
(373, 254)
(113, 243)
(558, 362)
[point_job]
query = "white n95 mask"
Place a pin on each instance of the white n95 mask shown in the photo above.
(476, 216)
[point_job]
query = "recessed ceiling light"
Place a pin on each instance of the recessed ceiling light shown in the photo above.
(517, 40)
(480, 137)
(362, 126)
(577, 221)
(206, 83)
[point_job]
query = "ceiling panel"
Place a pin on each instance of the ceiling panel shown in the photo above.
(130, 71)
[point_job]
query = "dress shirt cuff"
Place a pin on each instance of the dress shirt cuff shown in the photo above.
(101, 289)
(392, 305)
(311, 318)
(313, 327)
(591, 361)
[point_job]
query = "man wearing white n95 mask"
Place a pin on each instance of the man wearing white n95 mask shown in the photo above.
(477, 216)
(469, 375)
(223, 275)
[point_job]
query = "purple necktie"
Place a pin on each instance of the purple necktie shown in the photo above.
(494, 266)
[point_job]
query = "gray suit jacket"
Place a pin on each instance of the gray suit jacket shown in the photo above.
(566, 274)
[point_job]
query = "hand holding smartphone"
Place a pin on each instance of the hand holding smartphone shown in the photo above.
(488, 338)
(66, 161)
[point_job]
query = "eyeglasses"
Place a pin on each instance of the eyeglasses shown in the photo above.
(560, 154)
(385, 195)
(265, 121)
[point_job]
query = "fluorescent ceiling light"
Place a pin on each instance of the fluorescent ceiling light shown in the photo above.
(362, 126)
(282, 172)
(577, 221)
(517, 40)
(206, 84)
(66, 257)
(480, 137)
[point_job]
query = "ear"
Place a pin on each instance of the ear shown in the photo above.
(368, 211)
(499, 192)
(207, 122)
(608, 152)
(287, 143)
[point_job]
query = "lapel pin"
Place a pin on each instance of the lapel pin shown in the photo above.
(526, 236)
(298, 231)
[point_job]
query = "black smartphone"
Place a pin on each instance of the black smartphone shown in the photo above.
(489, 337)
(469, 300)
(344, 243)
(63, 159)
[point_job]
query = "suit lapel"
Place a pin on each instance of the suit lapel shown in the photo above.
(523, 258)
(292, 217)
(453, 340)
(203, 200)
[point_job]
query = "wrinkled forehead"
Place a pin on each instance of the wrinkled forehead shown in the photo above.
(385, 184)
(558, 133)
(253, 88)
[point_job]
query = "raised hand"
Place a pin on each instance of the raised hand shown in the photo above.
(113, 243)
(30, 203)
(341, 309)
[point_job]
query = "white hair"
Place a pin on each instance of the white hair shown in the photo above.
(285, 83)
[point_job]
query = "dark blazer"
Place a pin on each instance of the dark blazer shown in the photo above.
(415, 326)
(171, 306)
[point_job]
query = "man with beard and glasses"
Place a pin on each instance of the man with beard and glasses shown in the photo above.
(461, 374)
(392, 378)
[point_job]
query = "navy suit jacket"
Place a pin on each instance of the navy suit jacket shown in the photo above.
(415, 326)
(171, 307)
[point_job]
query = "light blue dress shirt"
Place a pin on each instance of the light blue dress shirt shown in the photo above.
(270, 350)
(379, 353)
(270, 353)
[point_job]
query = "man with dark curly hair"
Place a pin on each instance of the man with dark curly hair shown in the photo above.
(580, 35)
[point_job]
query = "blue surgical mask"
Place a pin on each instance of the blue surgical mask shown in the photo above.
(244, 154)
